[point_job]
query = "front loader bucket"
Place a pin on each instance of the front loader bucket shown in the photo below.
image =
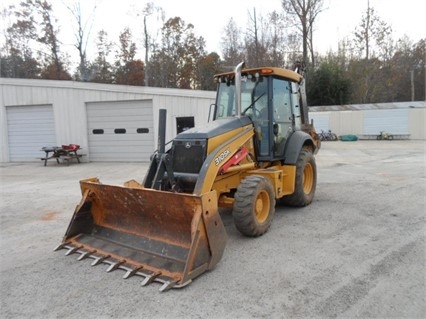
(162, 236)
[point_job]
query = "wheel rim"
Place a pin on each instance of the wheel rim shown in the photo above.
(261, 208)
(308, 178)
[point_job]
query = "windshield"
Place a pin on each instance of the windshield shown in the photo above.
(253, 97)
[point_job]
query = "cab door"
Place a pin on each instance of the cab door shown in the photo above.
(283, 110)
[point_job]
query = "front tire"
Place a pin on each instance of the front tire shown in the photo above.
(306, 181)
(254, 206)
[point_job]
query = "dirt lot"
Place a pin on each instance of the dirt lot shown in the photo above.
(357, 252)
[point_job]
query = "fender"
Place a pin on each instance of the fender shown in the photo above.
(294, 145)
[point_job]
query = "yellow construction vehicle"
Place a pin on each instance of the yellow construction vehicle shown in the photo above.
(257, 149)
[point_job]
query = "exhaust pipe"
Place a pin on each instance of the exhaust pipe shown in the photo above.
(237, 72)
(162, 131)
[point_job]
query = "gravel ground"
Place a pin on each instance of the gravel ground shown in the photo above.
(358, 251)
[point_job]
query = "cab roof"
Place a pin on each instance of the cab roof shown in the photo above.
(283, 73)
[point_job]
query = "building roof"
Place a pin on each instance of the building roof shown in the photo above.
(371, 106)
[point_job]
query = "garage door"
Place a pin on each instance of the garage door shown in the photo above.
(29, 128)
(391, 121)
(120, 130)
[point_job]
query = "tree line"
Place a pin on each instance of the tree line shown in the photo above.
(370, 66)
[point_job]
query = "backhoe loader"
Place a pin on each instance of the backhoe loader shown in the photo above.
(257, 149)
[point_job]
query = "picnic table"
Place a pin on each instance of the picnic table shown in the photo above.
(64, 153)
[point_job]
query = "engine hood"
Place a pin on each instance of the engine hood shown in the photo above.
(214, 128)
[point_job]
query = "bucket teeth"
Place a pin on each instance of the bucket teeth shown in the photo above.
(86, 254)
(99, 260)
(115, 265)
(72, 250)
(148, 275)
(149, 278)
(131, 272)
(61, 246)
(168, 285)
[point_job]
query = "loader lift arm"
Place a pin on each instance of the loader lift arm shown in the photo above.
(160, 165)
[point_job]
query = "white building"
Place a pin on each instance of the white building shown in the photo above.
(110, 122)
(404, 119)
(120, 123)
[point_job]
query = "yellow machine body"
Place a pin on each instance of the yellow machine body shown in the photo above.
(168, 228)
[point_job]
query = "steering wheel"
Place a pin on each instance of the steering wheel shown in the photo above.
(256, 112)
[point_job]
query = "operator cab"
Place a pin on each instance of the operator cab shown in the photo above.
(270, 97)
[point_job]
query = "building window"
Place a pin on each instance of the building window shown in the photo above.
(98, 131)
(120, 131)
(184, 123)
(142, 130)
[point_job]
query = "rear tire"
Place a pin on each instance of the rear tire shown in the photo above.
(306, 181)
(254, 206)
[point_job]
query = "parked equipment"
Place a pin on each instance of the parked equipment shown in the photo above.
(327, 136)
(258, 148)
(384, 136)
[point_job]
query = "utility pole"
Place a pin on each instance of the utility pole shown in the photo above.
(412, 84)
(146, 51)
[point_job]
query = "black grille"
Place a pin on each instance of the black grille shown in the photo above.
(188, 156)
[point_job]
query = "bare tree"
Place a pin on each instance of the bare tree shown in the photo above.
(304, 13)
(82, 35)
(255, 48)
(373, 34)
(148, 11)
(101, 68)
(277, 44)
(265, 40)
(231, 44)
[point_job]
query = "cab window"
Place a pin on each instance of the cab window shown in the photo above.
(282, 113)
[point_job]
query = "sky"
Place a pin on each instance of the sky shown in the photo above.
(337, 21)
(333, 24)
